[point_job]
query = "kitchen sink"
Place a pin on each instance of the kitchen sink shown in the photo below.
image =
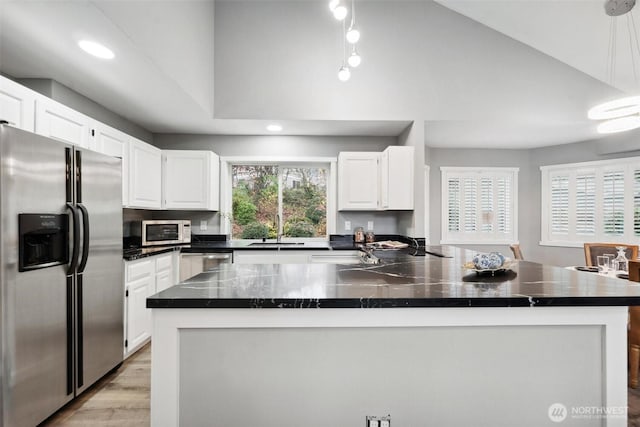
(276, 244)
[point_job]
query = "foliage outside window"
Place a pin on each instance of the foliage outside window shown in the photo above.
(261, 193)
(479, 205)
(591, 201)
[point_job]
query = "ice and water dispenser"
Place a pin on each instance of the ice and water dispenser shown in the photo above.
(44, 240)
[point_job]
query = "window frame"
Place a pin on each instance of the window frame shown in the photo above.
(598, 167)
(226, 189)
(478, 238)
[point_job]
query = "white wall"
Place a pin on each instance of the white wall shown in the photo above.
(420, 60)
(287, 146)
(529, 188)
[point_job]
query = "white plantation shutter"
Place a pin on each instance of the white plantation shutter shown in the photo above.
(586, 204)
(560, 204)
(591, 201)
(613, 203)
(479, 205)
(470, 207)
(636, 202)
(503, 203)
(453, 200)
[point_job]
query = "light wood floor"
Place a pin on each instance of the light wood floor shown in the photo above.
(120, 399)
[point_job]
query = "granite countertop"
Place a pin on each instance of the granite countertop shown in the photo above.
(400, 280)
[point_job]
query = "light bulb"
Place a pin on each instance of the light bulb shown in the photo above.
(274, 127)
(96, 49)
(340, 12)
(617, 108)
(354, 59)
(620, 124)
(333, 4)
(344, 73)
(353, 35)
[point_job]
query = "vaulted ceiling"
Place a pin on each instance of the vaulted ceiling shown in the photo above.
(510, 74)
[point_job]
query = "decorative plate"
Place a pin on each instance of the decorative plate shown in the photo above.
(506, 265)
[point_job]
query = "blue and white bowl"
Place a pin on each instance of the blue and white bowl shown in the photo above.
(490, 261)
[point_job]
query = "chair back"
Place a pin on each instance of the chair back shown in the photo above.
(517, 253)
(593, 250)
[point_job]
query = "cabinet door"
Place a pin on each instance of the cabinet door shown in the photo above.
(145, 175)
(358, 181)
(163, 280)
(396, 178)
(138, 315)
(61, 122)
(17, 104)
(190, 179)
(112, 142)
(164, 272)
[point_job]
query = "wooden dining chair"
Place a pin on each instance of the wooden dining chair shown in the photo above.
(517, 253)
(593, 250)
(633, 333)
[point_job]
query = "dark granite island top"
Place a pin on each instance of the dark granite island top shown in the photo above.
(400, 280)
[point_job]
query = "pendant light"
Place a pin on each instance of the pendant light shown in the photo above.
(621, 114)
(353, 34)
(344, 73)
(354, 59)
(340, 10)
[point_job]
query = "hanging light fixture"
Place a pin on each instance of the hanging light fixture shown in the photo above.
(340, 10)
(354, 59)
(353, 34)
(621, 114)
(344, 73)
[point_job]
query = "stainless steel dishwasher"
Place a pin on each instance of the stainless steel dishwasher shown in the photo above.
(195, 263)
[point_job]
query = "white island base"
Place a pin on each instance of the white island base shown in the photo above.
(422, 366)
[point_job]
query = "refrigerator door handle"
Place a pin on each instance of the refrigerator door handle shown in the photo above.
(76, 239)
(85, 237)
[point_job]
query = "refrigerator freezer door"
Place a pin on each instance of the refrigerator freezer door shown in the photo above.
(100, 292)
(33, 303)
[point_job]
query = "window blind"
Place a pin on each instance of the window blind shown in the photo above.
(479, 205)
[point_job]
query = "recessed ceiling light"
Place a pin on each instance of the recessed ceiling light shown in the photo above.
(96, 49)
(274, 127)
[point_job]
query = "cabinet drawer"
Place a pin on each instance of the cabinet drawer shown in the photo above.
(138, 269)
(163, 263)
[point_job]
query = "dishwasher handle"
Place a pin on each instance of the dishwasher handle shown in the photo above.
(209, 255)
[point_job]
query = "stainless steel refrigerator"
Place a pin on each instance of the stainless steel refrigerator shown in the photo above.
(61, 289)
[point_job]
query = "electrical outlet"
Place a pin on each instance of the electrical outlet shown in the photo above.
(347, 225)
(385, 421)
(372, 421)
(370, 225)
(203, 225)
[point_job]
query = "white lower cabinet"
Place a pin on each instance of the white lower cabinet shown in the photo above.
(143, 278)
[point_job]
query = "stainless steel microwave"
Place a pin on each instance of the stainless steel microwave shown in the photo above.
(162, 232)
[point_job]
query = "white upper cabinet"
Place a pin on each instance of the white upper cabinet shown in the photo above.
(112, 142)
(61, 122)
(17, 104)
(358, 181)
(396, 178)
(145, 175)
(191, 179)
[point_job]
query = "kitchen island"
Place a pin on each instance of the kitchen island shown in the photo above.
(418, 338)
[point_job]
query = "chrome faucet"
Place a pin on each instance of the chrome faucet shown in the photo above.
(278, 232)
